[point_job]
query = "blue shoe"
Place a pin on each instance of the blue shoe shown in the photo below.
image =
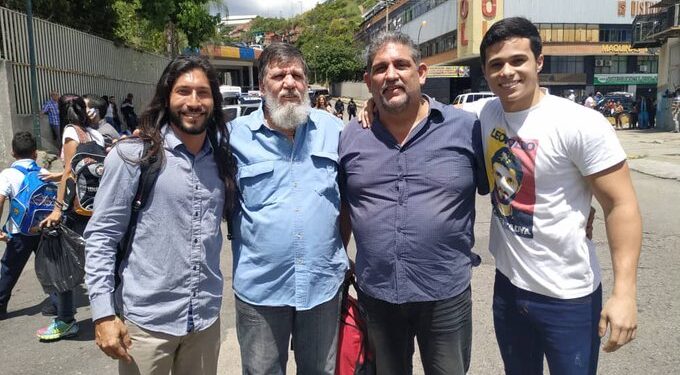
(58, 330)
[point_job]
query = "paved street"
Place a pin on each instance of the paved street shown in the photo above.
(655, 158)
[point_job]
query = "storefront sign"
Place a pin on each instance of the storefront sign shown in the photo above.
(563, 78)
(625, 79)
(443, 71)
(622, 49)
(643, 7)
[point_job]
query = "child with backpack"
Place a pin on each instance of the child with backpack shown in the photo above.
(83, 155)
(26, 186)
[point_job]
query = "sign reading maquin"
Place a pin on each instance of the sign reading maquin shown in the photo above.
(624, 49)
(474, 19)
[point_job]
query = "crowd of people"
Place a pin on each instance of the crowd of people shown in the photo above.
(294, 184)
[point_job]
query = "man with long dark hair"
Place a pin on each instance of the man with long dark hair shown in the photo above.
(289, 262)
(163, 316)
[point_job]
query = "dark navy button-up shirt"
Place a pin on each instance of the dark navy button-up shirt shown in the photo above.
(413, 206)
(287, 246)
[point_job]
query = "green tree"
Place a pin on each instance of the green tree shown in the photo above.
(95, 17)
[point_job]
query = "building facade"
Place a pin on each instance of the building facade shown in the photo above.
(587, 44)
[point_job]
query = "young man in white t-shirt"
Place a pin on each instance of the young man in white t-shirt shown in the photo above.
(546, 157)
(19, 246)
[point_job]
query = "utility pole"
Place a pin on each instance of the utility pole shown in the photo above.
(34, 74)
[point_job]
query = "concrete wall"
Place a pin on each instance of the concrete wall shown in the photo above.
(11, 123)
(669, 79)
(356, 90)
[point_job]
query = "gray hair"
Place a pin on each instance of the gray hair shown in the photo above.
(277, 53)
(385, 38)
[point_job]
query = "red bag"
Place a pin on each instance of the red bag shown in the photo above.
(354, 356)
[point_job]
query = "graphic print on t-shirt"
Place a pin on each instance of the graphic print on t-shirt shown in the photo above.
(510, 166)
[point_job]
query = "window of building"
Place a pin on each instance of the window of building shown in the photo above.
(611, 65)
(615, 33)
(566, 64)
(647, 64)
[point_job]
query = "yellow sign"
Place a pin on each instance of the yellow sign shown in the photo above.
(622, 49)
(474, 19)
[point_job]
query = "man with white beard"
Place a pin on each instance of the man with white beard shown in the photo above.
(289, 262)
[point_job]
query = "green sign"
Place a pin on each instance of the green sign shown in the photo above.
(625, 79)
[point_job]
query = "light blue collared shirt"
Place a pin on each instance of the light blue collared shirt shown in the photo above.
(171, 281)
(287, 246)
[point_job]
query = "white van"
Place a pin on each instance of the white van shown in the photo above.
(462, 99)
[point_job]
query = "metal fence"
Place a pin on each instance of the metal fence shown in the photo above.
(72, 61)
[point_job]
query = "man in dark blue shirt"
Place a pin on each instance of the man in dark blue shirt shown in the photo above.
(410, 183)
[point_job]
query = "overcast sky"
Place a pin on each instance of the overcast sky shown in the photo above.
(270, 8)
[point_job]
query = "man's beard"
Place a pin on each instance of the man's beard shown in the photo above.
(394, 107)
(199, 128)
(290, 115)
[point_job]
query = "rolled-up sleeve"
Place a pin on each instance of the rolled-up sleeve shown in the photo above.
(106, 228)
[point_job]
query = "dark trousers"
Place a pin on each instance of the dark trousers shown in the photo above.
(56, 136)
(443, 330)
(17, 253)
(530, 325)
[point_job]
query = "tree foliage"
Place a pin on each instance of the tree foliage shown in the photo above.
(95, 17)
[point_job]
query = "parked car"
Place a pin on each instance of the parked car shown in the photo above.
(463, 101)
(315, 93)
(235, 104)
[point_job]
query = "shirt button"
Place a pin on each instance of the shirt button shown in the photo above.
(196, 214)
(195, 240)
(194, 294)
(196, 187)
(299, 236)
(195, 268)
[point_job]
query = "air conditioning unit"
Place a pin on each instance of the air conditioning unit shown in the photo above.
(599, 62)
(643, 68)
(607, 63)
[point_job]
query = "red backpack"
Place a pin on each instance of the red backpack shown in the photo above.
(354, 356)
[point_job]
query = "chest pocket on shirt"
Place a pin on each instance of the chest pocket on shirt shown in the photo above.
(256, 185)
(451, 169)
(326, 168)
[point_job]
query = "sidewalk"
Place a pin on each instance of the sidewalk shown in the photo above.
(652, 152)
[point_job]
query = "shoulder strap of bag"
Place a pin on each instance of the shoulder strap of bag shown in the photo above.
(81, 134)
(149, 171)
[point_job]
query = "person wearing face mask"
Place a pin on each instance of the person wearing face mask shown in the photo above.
(289, 262)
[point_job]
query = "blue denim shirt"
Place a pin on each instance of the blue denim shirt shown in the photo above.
(171, 281)
(287, 246)
(412, 206)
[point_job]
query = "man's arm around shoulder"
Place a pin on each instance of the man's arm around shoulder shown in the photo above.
(614, 190)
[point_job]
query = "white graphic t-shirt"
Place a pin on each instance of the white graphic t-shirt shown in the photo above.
(536, 161)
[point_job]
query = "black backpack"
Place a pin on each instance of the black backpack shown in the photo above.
(87, 168)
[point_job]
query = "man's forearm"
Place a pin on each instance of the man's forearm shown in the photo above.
(624, 232)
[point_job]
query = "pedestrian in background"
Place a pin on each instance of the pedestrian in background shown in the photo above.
(116, 116)
(96, 109)
(163, 316)
(352, 109)
(51, 109)
(323, 105)
(339, 108)
(289, 262)
(19, 246)
(127, 109)
(77, 127)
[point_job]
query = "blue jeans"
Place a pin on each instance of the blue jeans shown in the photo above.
(264, 333)
(529, 325)
(443, 330)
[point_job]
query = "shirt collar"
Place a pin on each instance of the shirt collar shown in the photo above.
(172, 142)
